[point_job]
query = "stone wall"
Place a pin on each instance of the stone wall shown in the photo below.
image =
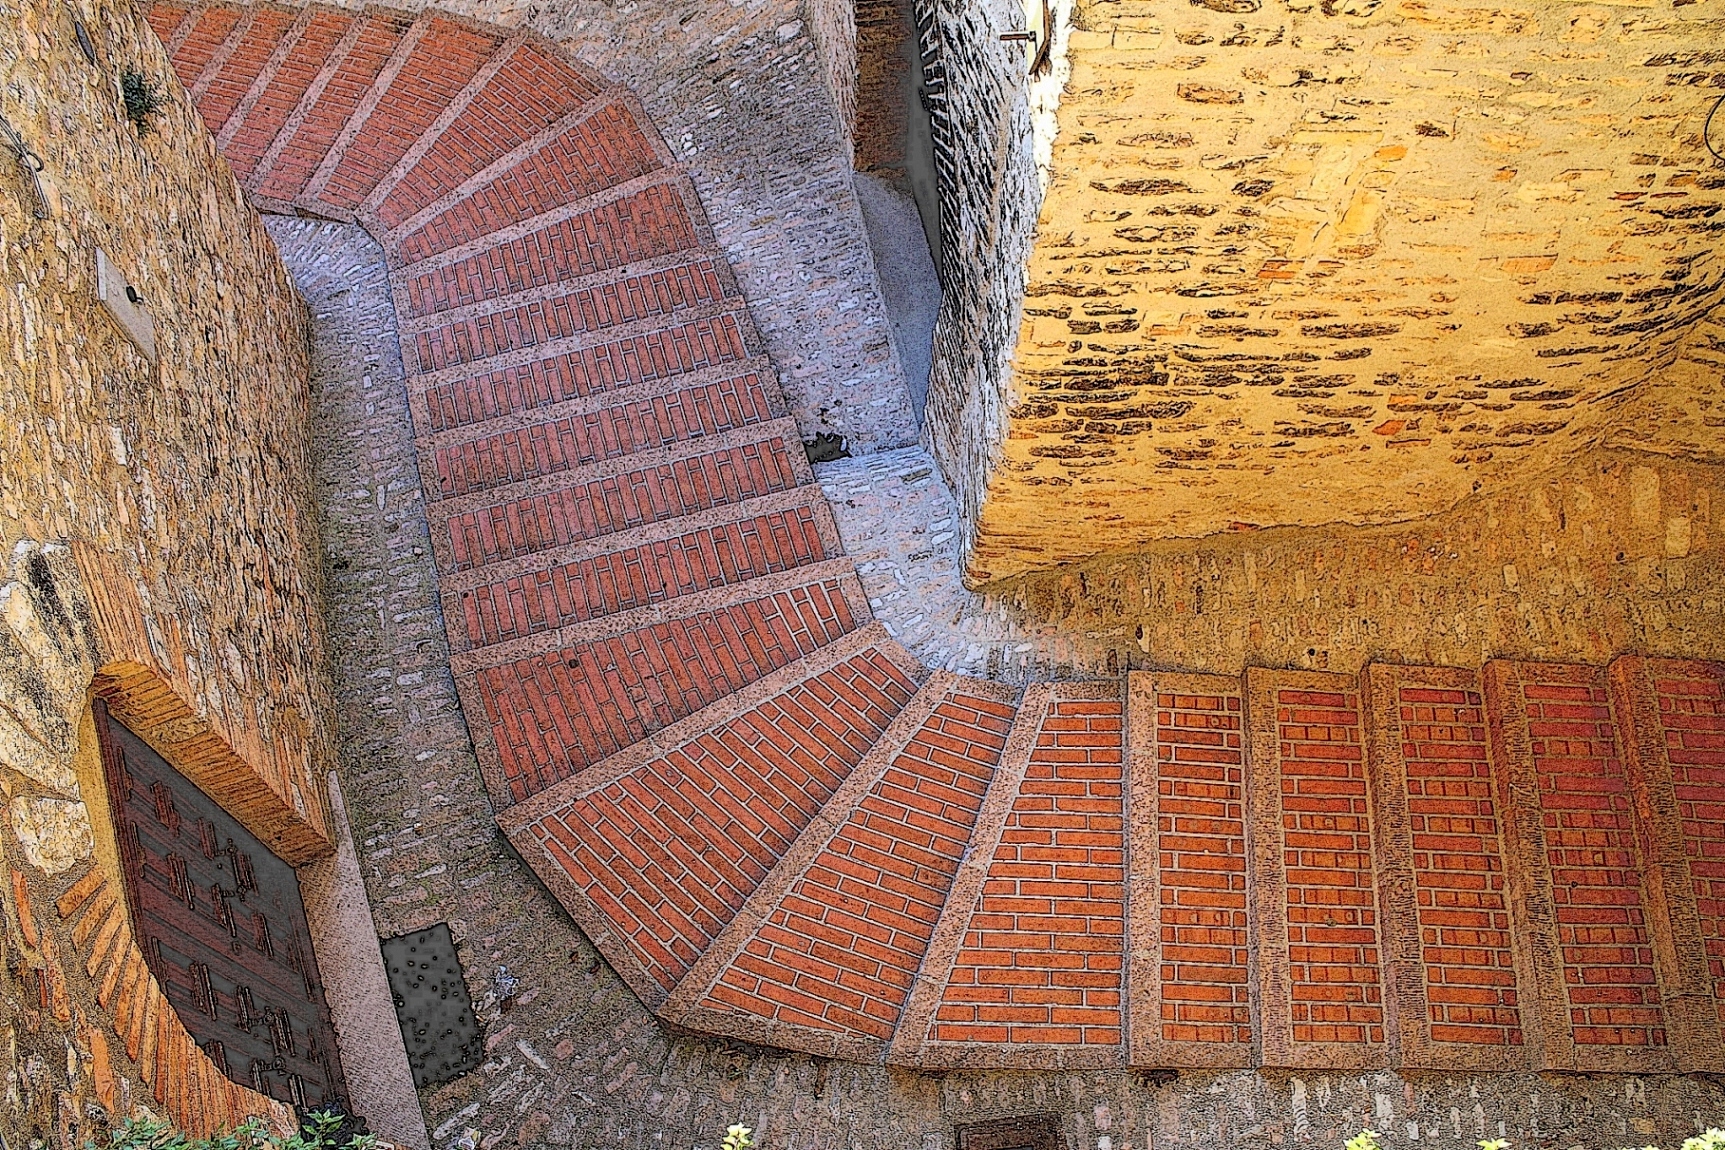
(160, 551)
(988, 194)
(1307, 263)
(1622, 552)
(833, 27)
(883, 82)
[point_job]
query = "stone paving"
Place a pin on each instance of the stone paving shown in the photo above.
(898, 521)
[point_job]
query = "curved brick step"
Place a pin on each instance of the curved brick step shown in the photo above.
(777, 825)
(824, 952)
(656, 849)
(1027, 966)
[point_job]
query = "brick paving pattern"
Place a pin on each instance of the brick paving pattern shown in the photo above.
(1463, 909)
(1331, 908)
(1607, 949)
(1043, 954)
(1692, 718)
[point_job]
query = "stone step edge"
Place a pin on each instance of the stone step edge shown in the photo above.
(1142, 999)
(517, 822)
(400, 265)
(491, 172)
(501, 55)
(791, 499)
(362, 112)
(909, 1037)
(911, 1046)
(183, 30)
(619, 623)
(308, 100)
(285, 47)
(223, 53)
(519, 816)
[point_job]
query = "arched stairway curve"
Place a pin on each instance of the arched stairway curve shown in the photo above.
(775, 823)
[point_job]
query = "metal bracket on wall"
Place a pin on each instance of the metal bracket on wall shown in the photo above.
(30, 164)
(1043, 39)
(125, 305)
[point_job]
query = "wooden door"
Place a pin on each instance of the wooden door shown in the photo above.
(223, 928)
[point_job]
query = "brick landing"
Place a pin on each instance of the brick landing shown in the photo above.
(778, 824)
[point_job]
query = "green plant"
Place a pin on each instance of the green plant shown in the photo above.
(144, 98)
(1710, 1139)
(738, 1137)
(321, 1131)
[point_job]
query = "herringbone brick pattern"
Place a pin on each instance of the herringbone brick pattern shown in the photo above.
(777, 825)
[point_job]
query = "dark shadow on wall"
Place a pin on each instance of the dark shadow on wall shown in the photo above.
(909, 284)
(895, 181)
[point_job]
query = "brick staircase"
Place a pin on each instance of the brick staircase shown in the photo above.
(775, 823)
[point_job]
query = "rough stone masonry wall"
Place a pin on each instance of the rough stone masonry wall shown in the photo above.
(988, 191)
(158, 541)
(1303, 262)
(1621, 552)
(741, 94)
(573, 1058)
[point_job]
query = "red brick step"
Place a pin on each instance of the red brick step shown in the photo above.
(825, 951)
(656, 849)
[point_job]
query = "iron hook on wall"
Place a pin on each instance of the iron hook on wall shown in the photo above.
(30, 164)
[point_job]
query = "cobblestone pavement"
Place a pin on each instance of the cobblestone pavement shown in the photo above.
(899, 523)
